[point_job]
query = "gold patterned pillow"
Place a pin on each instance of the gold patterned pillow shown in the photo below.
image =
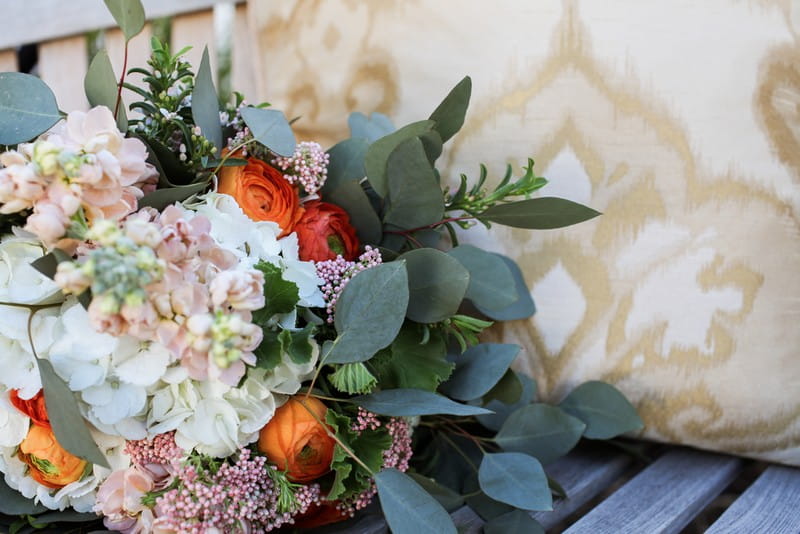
(686, 292)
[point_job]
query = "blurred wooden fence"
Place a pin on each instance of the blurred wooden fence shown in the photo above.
(63, 32)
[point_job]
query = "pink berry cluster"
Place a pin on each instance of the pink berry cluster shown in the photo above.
(336, 273)
(161, 450)
(365, 420)
(236, 498)
(308, 166)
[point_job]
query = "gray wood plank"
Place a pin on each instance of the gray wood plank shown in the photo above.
(664, 497)
(771, 504)
(583, 474)
(43, 20)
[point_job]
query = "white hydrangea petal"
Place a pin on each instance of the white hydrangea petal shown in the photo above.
(13, 423)
(19, 369)
(144, 367)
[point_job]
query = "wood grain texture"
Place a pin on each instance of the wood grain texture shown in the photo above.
(8, 61)
(771, 504)
(63, 65)
(77, 16)
(244, 56)
(664, 497)
(583, 474)
(195, 30)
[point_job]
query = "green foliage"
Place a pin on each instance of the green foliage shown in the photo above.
(408, 508)
(129, 16)
(516, 479)
(414, 192)
(161, 198)
(68, 424)
(369, 313)
(437, 284)
(205, 104)
(543, 213)
(479, 369)
(413, 362)
(411, 402)
(522, 308)
(12, 502)
(449, 499)
(514, 522)
(295, 343)
(101, 87)
(606, 411)
(370, 128)
(449, 115)
(351, 197)
(346, 163)
(27, 108)
(377, 156)
(545, 432)
(353, 378)
(464, 329)
(477, 198)
(270, 128)
(491, 283)
(280, 296)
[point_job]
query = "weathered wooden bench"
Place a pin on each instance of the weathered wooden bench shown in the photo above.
(680, 490)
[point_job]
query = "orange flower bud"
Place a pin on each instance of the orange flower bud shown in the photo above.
(33, 407)
(50, 464)
(294, 440)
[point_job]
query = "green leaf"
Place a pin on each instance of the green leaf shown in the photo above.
(369, 313)
(100, 85)
(410, 402)
(161, 198)
(370, 128)
(449, 116)
(432, 143)
(297, 344)
(502, 410)
(545, 432)
(48, 264)
(280, 296)
(491, 284)
(13, 502)
(351, 197)
(346, 163)
(539, 213)
(270, 128)
(129, 16)
(68, 425)
(205, 103)
(353, 378)
(508, 389)
(27, 108)
(606, 411)
(516, 479)
(479, 369)
(410, 364)
(522, 308)
(449, 499)
(269, 353)
(378, 153)
(65, 516)
(408, 508)
(514, 522)
(437, 284)
(415, 197)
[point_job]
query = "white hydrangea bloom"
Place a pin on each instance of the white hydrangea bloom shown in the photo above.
(19, 281)
(288, 376)
(13, 423)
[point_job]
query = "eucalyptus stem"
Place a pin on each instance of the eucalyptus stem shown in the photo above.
(230, 153)
(459, 451)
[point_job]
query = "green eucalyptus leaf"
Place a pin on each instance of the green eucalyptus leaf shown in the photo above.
(408, 508)
(508, 389)
(65, 516)
(12, 502)
(437, 284)
(346, 163)
(606, 411)
(543, 213)
(161, 198)
(205, 103)
(48, 264)
(129, 16)
(68, 425)
(410, 402)
(270, 128)
(543, 431)
(370, 128)
(514, 522)
(479, 369)
(351, 197)
(415, 197)
(491, 284)
(101, 87)
(449, 499)
(369, 313)
(522, 308)
(377, 156)
(449, 116)
(28, 108)
(432, 143)
(516, 479)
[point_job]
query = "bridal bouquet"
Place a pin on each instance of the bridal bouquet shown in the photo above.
(209, 327)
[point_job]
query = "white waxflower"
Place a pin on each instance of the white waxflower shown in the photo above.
(19, 281)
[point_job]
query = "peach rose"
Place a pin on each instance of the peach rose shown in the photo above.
(295, 441)
(50, 464)
(324, 232)
(263, 193)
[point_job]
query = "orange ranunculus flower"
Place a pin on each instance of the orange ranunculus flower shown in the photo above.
(50, 464)
(263, 193)
(33, 407)
(321, 514)
(324, 231)
(294, 440)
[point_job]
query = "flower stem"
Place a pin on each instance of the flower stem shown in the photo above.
(121, 80)
(430, 226)
(230, 153)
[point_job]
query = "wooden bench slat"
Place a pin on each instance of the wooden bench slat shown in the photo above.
(63, 65)
(664, 497)
(583, 475)
(770, 504)
(195, 30)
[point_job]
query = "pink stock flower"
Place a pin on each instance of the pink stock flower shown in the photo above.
(241, 290)
(119, 499)
(48, 221)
